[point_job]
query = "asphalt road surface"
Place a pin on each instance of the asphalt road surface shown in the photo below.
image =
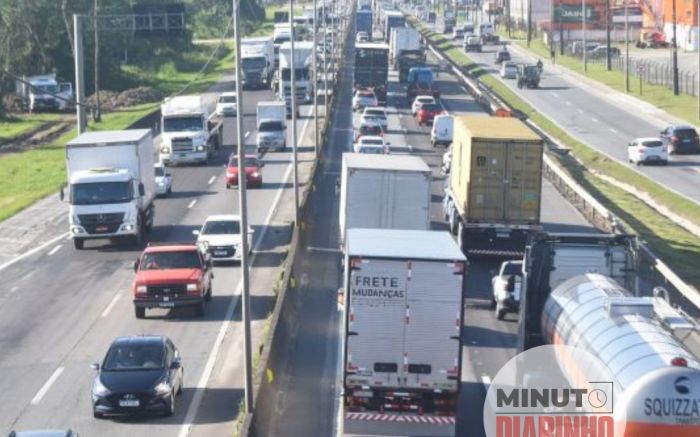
(308, 390)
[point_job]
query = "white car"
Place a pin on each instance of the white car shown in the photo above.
(164, 181)
(647, 151)
(505, 287)
(375, 114)
(420, 101)
(363, 99)
(509, 70)
(220, 236)
(371, 144)
(226, 105)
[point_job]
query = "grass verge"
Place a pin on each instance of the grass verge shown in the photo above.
(34, 174)
(673, 244)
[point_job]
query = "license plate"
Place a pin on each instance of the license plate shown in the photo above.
(102, 229)
(220, 252)
(129, 403)
(182, 155)
(166, 304)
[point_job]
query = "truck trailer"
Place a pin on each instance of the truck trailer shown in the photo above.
(372, 68)
(257, 61)
(392, 19)
(405, 41)
(401, 321)
(363, 22)
(384, 191)
(492, 199)
(111, 186)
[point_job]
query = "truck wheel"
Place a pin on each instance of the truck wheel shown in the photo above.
(139, 312)
(78, 243)
(500, 311)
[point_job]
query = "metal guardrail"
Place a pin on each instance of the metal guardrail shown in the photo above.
(591, 208)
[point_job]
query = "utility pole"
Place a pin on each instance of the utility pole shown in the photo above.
(583, 30)
(508, 18)
(315, 90)
(607, 33)
(293, 92)
(97, 114)
(243, 207)
(529, 22)
(676, 91)
(79, 74)
(561, 30)
(325, 58)
(697, 46)
(627, 48)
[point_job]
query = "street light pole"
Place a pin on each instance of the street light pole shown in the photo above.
(243, 208)
(79, 74)
(697, 46)
(627, 47)
(607, 33)
(676, 91)
(583, 29)
(315, 84)
(293, 97)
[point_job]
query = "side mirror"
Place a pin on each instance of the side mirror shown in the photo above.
(142, 189)
(95, 366)
(61, 195)
(135, 265)
(176, 364)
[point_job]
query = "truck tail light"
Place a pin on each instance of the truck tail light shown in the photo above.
(458, 268)
(355, 263)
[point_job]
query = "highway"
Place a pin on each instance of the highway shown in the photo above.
(60, 309)
(311, 359)
(605, 122)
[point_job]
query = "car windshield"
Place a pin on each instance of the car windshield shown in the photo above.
(370, 129)
(652, 143)
(372, 142)
(513, 269)
(270, 126)
(685, 133)
(299, 74)
(365, 95)
(227, 99)
(221, 227)
(248, 161)
(180, 124)
(38, 89)
(372, 150)
(375, 113)
(130, 357)
(253, 63)
(160, 171)
(431, 107)
(185, 259)
(425, 100)
(100, 193)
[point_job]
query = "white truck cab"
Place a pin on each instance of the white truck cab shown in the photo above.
(186, 135)
(44, 92)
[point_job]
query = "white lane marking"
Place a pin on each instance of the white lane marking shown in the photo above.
(54, 250)
(613, 130)
(47, 385)
(211, 180)
(191, 204)
(214, 353)
(486, 380)
(595, 120)
(33, 251)
(114, 301)
(246, 134)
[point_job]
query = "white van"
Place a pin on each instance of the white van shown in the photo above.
(441, 133)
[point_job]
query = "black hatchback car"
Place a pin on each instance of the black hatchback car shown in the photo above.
(680, 139)
(140, 374)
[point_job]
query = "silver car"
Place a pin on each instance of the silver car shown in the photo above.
(164, 180)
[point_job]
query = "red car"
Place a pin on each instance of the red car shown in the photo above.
(170, 276)
(253, 171)
(427, 113)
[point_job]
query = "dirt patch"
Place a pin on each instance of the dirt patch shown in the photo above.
(114, 100)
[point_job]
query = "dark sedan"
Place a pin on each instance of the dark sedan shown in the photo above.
(140, 374)
(681, 139)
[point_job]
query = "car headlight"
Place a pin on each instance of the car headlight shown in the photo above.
(141, 289)
(255, 175)
(99, 389)
(200, 148)
(165, 149)
(192, 287)
(162, 388)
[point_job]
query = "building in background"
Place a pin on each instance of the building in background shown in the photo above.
(686, 22)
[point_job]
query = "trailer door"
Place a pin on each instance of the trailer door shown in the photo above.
(433, 324)
(376, 313)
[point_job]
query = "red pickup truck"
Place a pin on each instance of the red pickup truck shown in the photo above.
(172, 275)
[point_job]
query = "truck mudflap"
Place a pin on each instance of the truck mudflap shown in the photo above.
(494, 242)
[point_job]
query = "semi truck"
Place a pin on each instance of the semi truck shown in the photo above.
(280, 35)
(302, 72)
(372, 68)
(384, 191)
(392, 19)
(405, 41)
(401, 317)
(420, 81)
(257, 61)
(111, 186)
(492, 198)
(189, 133)
(363, 22)
(44, 93)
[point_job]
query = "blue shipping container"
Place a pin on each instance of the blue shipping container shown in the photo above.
(363, 22)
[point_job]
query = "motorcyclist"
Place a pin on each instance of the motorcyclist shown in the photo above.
(540, 65)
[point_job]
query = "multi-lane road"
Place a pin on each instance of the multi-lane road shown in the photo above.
(310, 364)
(60, 309)
(605, 121)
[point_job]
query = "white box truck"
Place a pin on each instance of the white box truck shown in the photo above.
(302, 71)
(401, 314)
(257, 61)
(271, 126)
(111, 185)
(44, 92)
(384, 191)
(404, 40)
(189, 134)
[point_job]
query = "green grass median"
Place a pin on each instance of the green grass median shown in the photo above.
(670, 242)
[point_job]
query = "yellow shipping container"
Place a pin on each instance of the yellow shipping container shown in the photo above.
(496, 174)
